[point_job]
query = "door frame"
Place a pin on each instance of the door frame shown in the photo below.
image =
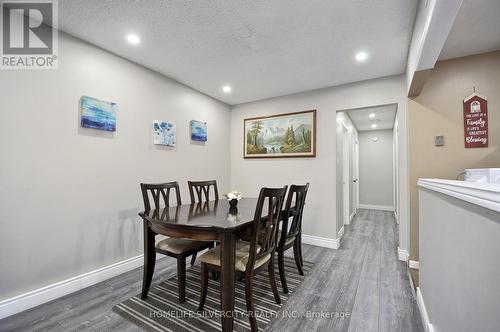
(356, 176)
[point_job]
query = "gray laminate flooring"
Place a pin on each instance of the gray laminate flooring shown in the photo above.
(360, 287)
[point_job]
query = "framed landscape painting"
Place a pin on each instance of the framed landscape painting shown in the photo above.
(164, 133)
(98, 114)
(280, 136)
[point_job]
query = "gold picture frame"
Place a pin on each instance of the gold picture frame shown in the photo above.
(286, 135)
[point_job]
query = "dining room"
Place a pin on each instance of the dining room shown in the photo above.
(173, 165)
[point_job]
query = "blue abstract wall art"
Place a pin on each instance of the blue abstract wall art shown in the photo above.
(164, 133)
(98, 114)
(198, 131)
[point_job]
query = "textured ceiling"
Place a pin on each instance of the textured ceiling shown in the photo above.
(475, 30)
(261, 48)
(384, 117)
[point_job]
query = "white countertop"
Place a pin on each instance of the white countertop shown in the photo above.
(483, 194)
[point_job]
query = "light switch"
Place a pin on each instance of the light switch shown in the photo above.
(439, 140)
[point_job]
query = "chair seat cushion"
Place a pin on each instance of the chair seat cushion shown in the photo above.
(179, 246)
(242, 254)
(287, 241)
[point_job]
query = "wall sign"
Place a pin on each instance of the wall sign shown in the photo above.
(476, 121)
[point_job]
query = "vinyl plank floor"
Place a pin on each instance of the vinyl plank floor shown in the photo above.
(360, 287)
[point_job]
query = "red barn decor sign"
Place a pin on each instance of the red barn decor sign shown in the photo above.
(476, 121)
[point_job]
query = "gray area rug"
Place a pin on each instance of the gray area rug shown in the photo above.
(162, 312)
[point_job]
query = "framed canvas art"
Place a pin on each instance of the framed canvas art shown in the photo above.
(281, 135)
(164, 133)
(98, 114)
(198, 131)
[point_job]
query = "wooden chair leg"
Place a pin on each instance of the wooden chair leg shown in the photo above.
(299, 239)
(272, 280)
(193, 258)
(296, 255)
(249, 299)
(281, 265)
(204, 286)
(181, 278)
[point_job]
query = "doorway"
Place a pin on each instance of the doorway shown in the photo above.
(367, 158)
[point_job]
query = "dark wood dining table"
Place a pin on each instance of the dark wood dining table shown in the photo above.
(209, 221)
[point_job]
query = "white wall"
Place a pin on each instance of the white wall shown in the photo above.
(376, 169)
(320, 215)
(69, 196)
(459, 270)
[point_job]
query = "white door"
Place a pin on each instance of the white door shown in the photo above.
(355, 179)
(346, 176)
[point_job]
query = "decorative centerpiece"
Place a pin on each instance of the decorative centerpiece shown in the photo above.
(233, 197)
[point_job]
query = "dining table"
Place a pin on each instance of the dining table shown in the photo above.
(208, 221)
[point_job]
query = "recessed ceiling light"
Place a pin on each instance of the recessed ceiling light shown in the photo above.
(226, 88)
(372, 115)
(374, 126)
(133, 39)
(361, 56)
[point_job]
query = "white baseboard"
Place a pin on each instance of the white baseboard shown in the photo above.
(48, 293)
(321, 241)
(376, 207)
(423, 312)
(403, 255)
(340, 234)
(351, 217)
(413, 264)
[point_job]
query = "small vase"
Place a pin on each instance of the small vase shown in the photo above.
(233, 211)
(233, 203)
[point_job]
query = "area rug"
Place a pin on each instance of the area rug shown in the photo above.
(162, 312)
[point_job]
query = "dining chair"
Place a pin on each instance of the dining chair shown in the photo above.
(202, 190)
(173, 247)
(291, 230)
(251, 258)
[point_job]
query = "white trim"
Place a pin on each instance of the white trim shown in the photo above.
(414, 264)
(423, 312)
(340, 234)
(474, 95)
(376, 207)
(486, 195)
(51, 292)
(321, 241)
(403, 255)
(350, 219)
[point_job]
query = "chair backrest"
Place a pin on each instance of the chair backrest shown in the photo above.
(297, 197)
(159, 192)
(264, 229)
(202, 190)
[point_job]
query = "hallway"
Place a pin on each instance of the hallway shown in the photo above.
(363, 278)
(362, 284)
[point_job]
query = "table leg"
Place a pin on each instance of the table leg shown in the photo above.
(149, 260)
(228, 247)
